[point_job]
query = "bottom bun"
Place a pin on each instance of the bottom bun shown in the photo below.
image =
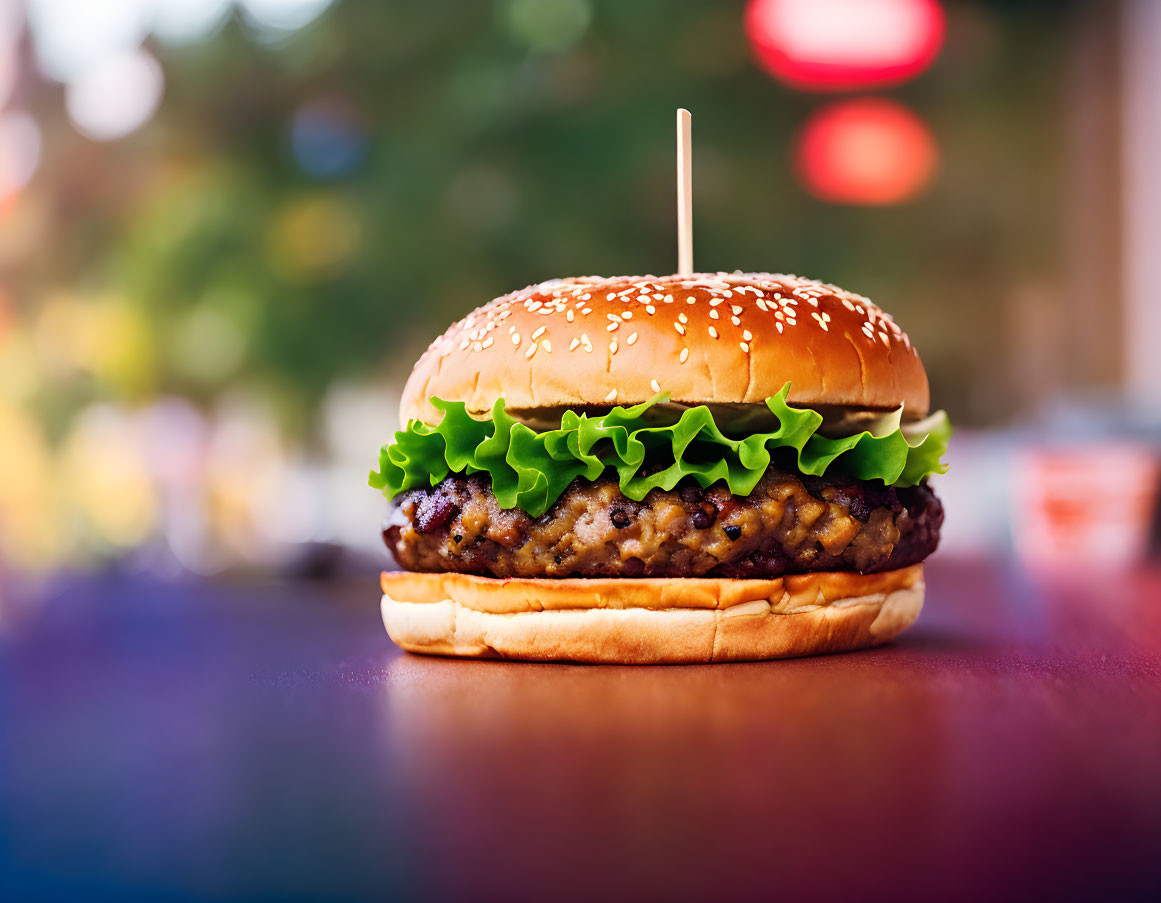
(648, 620)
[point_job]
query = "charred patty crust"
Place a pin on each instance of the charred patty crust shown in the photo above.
(789, 524)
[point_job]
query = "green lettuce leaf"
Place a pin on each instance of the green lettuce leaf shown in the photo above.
(530, 469)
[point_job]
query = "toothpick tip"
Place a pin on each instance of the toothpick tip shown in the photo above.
(684, 193)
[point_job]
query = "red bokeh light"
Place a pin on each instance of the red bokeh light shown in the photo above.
(823, 45)
(866, 151)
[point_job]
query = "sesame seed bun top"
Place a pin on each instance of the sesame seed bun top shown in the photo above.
(718, 339)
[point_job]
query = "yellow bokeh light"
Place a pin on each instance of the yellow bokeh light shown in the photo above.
(19, 367)
(105, 473)
(120, 347)
(314, 238)
(105, 336)
(243, 469)
(30, 516)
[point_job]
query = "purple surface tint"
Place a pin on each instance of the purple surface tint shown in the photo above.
(207, 741)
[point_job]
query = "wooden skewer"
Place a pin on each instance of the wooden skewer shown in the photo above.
(684, 195)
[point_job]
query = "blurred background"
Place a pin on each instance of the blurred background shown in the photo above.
(227, 228)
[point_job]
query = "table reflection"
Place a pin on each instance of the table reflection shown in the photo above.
(270, 741)
(767, 769)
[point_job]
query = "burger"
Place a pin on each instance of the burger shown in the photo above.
(703, 468)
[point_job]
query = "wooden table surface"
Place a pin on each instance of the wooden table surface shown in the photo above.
(201, 740)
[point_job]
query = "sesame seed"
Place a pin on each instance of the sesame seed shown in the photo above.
(655, 385)
(569, 315)
(684, 356)
(632, 338)
(690, 299)
(714, 302)
(476, 346)
(465, 343)
(547, 346)
(747, 335)
(736, 308)
(587, 311)
(610, 296)
(745, 347)
(650, 309)
(683, 318)
(531, 350)
(585, 296)
(735, 321)
(714, 315)
(713, 333)
(778, 326)
(680, 329)
(612, 396)
(585, 341)
(627, 315)
(539, 332)
(612, 326)
(488, 342)
(762, 304)
(572, 345)
(613, 347)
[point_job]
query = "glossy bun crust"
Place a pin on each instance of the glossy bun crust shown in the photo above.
(705, 339)
(648, 620)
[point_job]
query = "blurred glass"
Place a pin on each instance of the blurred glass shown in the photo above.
(1085, 506)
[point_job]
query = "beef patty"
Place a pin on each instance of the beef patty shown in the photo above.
(789, 524)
